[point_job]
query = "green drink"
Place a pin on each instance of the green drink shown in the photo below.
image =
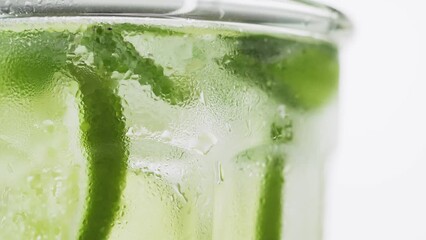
(120, 128)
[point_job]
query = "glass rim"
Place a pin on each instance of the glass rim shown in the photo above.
(296, 17)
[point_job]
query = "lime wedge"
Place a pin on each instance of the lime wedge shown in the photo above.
(103, 130)
(29, 59)
(258, 186)
(33, 58)
(102, 121)
(299, 74)
(270, 206)
(37, 140)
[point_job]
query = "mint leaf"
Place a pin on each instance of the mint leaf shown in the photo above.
(113, 53)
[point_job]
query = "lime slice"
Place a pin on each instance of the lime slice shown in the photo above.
(31, 63)
(29, 59)
(33, 59)
(269, 218)
(299, 74)
(42, 188)
(263, 166)
(103, 123)
(103, 130)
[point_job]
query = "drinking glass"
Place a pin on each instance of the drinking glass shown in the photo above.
(166, 119)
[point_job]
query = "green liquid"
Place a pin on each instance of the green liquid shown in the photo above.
(157, 109)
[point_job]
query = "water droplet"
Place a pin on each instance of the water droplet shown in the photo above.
(30, 178)
(181, 193)
(202, 99)
(220, 173)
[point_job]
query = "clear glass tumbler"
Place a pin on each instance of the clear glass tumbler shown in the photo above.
(166, 119)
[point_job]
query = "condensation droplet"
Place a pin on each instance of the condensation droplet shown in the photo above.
(30, 178)
(181, 193)
(202, 99)
(220, 173)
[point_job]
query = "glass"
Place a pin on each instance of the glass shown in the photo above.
(166, 119)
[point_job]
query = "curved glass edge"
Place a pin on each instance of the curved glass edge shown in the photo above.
(300, 17)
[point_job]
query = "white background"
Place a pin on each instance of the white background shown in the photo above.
(377, 181)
